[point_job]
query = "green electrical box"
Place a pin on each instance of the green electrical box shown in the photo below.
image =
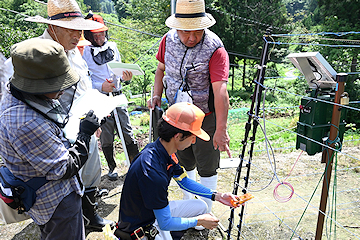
(316, 134)
(314, 123)
(315, 112)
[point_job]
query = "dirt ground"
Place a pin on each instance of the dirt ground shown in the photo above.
(108, 207)
(264, 217)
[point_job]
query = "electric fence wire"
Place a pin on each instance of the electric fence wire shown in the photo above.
(339, 34)
(290, 177)
(288, 185)
(294, 210)
(246, 19)
(249, 229)
(159, 36)
(326, 215)
(266, 142)
(289, 217)
(12, 11)
(129, 28)
(275, 172)
(315, 44)
(280, 219)
(110, 23)
(291, 147)
(310, 98)
(308, 203)
(132, 29)
(124, 41)
(317, 142)
(148, 50)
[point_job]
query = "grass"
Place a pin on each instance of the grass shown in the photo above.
(281, 131)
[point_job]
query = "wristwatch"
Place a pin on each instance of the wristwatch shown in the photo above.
(213, 195)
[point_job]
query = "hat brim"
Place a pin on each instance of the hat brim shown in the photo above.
(201, 134)
(43, 86)
(76, 23)
(189, 24)
(103, 29)
(83, 43)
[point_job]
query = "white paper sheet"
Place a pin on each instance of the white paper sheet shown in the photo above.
(118, 68)
(101, 104)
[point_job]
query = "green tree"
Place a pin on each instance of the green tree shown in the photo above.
(13, 27)
(241, 26)
(107, 6)
(94, 4)
(339, 16)
(121, 8)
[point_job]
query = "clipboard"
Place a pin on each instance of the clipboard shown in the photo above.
(119, 67)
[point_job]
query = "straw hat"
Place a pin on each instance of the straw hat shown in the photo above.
(83, 42)
(190, 15)
(66, 14)
(188, 117)
(32, 72)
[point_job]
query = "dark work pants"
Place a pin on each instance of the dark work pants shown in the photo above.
(202, 154)
(66, 222)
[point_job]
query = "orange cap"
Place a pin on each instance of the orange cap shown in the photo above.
(98, 18)
(187, 117)
(83, 42)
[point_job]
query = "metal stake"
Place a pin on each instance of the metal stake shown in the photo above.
(254, 105)
(119, 130)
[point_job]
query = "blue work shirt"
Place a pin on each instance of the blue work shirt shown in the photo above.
(146, 187)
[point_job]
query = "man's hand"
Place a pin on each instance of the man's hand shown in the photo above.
(207, 221)
(108, 86)
(226, 199)
(221, 141)
(127, 75)
(158, 87)
(156, 100)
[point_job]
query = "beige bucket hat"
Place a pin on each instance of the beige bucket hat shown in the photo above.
(32, 72)
(66, 14)
(190, 15)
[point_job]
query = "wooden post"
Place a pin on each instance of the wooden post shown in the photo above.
(327, 155)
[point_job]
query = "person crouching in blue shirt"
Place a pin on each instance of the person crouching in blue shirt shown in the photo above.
(144, 205)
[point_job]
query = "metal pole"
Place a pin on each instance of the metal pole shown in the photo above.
(151, 113)
(254, 105)
(119, 130)
(327, 155)
(173, 6)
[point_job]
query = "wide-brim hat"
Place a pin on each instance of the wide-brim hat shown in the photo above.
(188, 117)
(190, 15)
(41, 66)
(66, 14)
